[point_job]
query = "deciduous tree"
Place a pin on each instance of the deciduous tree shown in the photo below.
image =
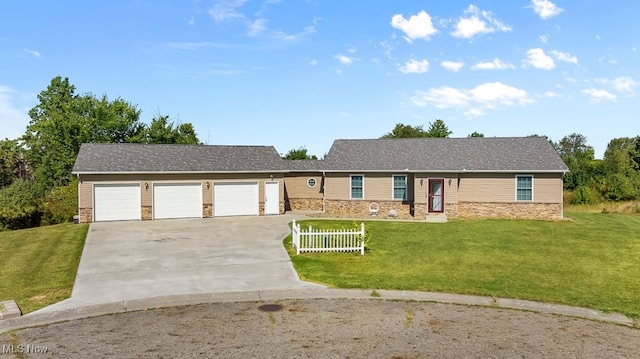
(299, 154)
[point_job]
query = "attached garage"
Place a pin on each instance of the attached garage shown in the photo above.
(177, 200)
(235, 199)
(116, 202)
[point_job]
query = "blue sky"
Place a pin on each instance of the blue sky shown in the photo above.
(303, 73)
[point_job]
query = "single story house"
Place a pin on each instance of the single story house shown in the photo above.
(516, 177)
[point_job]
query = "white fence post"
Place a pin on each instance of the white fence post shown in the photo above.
(362, 239)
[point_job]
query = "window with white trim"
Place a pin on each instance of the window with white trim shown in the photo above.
(400, 187)
(357, 186)
(524, 188)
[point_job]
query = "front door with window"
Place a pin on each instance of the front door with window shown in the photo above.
(436, 195)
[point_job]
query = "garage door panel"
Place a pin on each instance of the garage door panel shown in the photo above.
(177, 200)
(116, 202)
(235, 199)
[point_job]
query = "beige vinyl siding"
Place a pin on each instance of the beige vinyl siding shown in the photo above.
(547, 188)
(501, 187)
(146, 195)
(422, 190)
(338, 186)
(86, 195)
(296, 184)
(207, 193)
(377, 186)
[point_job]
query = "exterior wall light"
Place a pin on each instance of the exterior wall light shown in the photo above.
(207, 184)
(449, 182)
(146, 186)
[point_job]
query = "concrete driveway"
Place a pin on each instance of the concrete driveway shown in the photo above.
(135, 260)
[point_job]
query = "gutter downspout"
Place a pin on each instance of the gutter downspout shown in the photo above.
(324, 185)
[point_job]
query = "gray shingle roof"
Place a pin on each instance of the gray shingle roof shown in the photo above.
(105, 158)
(504, 154)
(305, 165)
(492, 154)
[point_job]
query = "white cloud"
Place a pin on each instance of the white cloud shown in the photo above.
(538, 59)
(281, 35)
(313, 62)
(452, 65)
(544, 38)
(256, 27)
(551, 94)
(352, 50)
(545, 8)
(564, 56)
(599, 95)
(418, 26)
(443, 97)
(496, 64)
(496, 93)
(13, 116)
(624, 85)
(414, 67)
(475, 101)
(225, 10)
(478, 22)
(387, 50)
(31, 52)
(345, 60)
(474, 112)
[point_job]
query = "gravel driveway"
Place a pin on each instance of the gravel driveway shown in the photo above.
(332, 329)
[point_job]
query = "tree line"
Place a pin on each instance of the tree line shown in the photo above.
(37, 187)
(36, 184)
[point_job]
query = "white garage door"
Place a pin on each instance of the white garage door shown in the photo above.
(177, 200)
(116, 202)
(235, 199)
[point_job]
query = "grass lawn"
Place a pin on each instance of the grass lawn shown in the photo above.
(39, 265)
(592, 261)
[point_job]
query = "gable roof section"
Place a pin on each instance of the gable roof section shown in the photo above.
(476, 154)
(152, 158)
(305, 165)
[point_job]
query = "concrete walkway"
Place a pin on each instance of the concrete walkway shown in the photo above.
(42, 317)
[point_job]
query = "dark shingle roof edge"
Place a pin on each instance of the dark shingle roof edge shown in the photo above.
(160, 158)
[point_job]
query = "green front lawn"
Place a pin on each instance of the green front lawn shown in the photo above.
(38, 266)
(592, 261)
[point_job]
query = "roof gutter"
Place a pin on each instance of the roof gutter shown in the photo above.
(167, 172)
(451, 171)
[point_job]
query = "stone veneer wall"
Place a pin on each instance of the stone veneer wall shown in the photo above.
(280, 208)
(86, 215)
(305, 204)
(207, 211)
(520, 210)
(450, 210)
(147, 213)
(360, 208)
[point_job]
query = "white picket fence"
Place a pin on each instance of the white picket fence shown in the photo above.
(339, 240)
